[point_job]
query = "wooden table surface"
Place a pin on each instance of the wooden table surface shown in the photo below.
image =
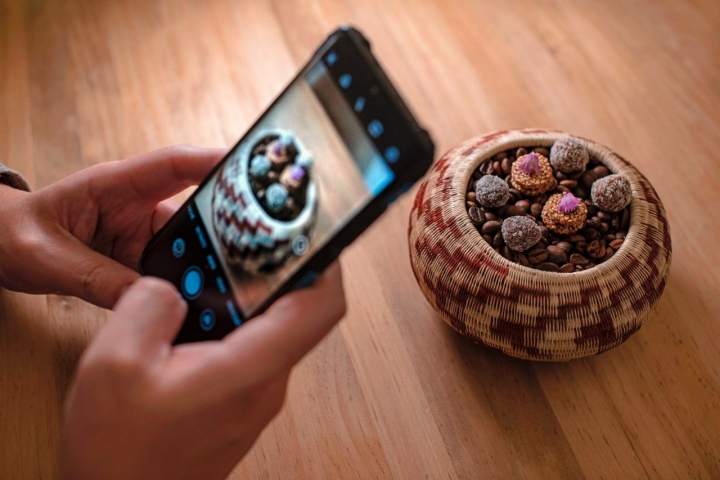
(393, 392)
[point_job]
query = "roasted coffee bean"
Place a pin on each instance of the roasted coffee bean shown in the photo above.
(617, 243)
(567, 268)
(471, 196)
(497, 170)
(490, 227)
(604, 227)
(591, 235)
(520, 152)
(621, 234)
(490, 216)
(603, 242)
(562, 189)
(581, 246)
(542, 151)
(497, 250)
(595, 250)
(498, 240)
(545, 231)
(565, 246)
(556, 255)
(537, 255)
(513, 210)
(516, 193)
(560, 176)
(569, 184)
(488, 239)
(486, 168)
(608, 254)
(575, 238)
(578, 259)
(524, 204)
(604, 216)
(541, 199)
(601, 171)
(522, 259)
(548, 267)
(476, 216)
(609, 237)
(589, 177)
(625, 219)
(468, 205)
(536, 209)
(581, 192)
(579, 268)
(615, 223)
(506, 166)
(500, 156)
(593, 222)
(540, 244)
(512, 199)
(508, 181)
(506, 252)
(475, 177)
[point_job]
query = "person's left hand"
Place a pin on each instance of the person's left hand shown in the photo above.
(83, 236)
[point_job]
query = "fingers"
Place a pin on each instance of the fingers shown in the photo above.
(163, 212)
(146, 320)
(276, 340)
(158, 175)
(75, 269)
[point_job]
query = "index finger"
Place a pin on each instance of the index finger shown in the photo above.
(276, 340)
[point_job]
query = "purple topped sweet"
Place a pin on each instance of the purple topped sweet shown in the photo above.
(530, 164)
(568, 203)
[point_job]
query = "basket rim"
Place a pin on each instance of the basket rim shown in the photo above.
(542, 138)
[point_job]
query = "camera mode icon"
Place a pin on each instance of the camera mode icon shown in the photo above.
(178, 247)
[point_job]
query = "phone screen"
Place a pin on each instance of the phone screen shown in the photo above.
(302, 172)
(332, 142)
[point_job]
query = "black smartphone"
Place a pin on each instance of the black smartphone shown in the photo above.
(335, 148)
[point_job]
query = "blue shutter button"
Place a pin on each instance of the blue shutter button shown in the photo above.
(192, 283)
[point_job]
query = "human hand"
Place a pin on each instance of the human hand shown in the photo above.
(84, 235)
(139, 407)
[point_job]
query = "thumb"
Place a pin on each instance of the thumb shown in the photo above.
(146, 320)
(78, 270)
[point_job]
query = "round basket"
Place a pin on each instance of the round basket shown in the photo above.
(523, 312)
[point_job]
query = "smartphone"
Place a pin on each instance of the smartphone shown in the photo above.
(334, 149)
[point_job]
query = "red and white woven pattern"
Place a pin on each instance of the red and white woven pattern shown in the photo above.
(527, 313)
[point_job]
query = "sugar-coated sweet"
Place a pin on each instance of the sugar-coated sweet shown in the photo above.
(569, 155)
(611, 193)
(275, 197)
(259, 166)
(491, 191)
(520, 233)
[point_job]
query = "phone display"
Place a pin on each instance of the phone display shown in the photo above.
(317, 167)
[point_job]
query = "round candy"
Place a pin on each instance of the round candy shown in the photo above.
(611, 193)
(520, 233)
(275, 197)
(569, 155)
(491, 191)
(259, 166)
(532, 174)
(564, 214)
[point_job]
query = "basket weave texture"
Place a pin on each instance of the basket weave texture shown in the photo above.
(527, 313)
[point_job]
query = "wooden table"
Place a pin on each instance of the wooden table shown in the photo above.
(393, 392)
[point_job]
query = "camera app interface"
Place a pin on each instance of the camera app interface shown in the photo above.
(309, 165)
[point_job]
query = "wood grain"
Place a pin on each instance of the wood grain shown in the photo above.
(392, 392)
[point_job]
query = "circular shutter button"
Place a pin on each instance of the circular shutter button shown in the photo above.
(192, 283)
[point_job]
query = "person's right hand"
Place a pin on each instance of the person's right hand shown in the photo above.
(141, 408)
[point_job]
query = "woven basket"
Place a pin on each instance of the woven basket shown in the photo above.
(523, 312)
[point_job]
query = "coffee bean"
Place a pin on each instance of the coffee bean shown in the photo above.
(490, 227)
(604, 227)
(545, 231)
(556, 255)
(500, 156)
(506, 252)
(589, 177)
(601, 171)
(562, 189)
(490, 216)
(581, 246)
(542, 151)
(522, 259)
(514, 210)
(538, 255)
(506, 166)
(578, 259)
(565, 246)
(471, 196)
(548, 267)
(567, 268)
(615, 223)
(497, 170)
(536, 209)
(609, 237)
(508, 181)
(581, 192)
(579, 268)
(468, 205)
(569, 184)
(608, 254)
(591, 235)
(488, 239)
(475, 177)
(476, 216)
(560, 176)
(617, 243)
(498, 240)
(625, 219)
(524, 204)
(520, 152)
(621, 234)
(575, 238)
(595, 250)
(604, 216)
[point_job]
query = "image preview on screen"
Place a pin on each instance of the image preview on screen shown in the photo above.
(347, 171)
